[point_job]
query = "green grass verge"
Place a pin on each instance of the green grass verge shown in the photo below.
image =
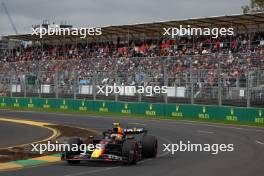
(107, 114)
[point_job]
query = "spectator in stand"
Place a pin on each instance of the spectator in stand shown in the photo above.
(147, 57)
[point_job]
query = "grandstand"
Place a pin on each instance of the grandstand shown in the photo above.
(228, 70)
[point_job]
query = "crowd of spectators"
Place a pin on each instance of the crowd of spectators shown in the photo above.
(148, 60)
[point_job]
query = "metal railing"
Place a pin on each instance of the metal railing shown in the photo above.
(212, 79)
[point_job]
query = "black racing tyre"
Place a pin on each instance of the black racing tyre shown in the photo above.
(69, 153)
(149, 146)
(130, 150)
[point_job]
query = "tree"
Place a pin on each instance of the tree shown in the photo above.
(255, 6)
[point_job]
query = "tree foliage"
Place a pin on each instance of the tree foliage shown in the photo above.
(255, 6)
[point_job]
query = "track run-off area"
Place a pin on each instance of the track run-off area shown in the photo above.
(14, 133)
(246, 160)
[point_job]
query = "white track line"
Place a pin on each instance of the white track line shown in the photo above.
(142, 124)
(261, 143)
(205, 132)
(92, 171)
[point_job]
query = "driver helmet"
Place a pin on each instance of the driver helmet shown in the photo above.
(117, 131)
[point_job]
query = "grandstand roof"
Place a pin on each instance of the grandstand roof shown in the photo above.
(240, 22)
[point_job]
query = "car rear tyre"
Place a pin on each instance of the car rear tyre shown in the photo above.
(149, 146)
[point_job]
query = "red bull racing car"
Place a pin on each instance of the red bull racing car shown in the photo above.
(128, 146)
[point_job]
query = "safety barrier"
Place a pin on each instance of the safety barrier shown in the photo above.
(168, 111)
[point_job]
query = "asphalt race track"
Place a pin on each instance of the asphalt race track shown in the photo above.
(246, 160)
(12, 134)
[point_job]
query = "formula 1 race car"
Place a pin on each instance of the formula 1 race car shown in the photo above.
(128, 146)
